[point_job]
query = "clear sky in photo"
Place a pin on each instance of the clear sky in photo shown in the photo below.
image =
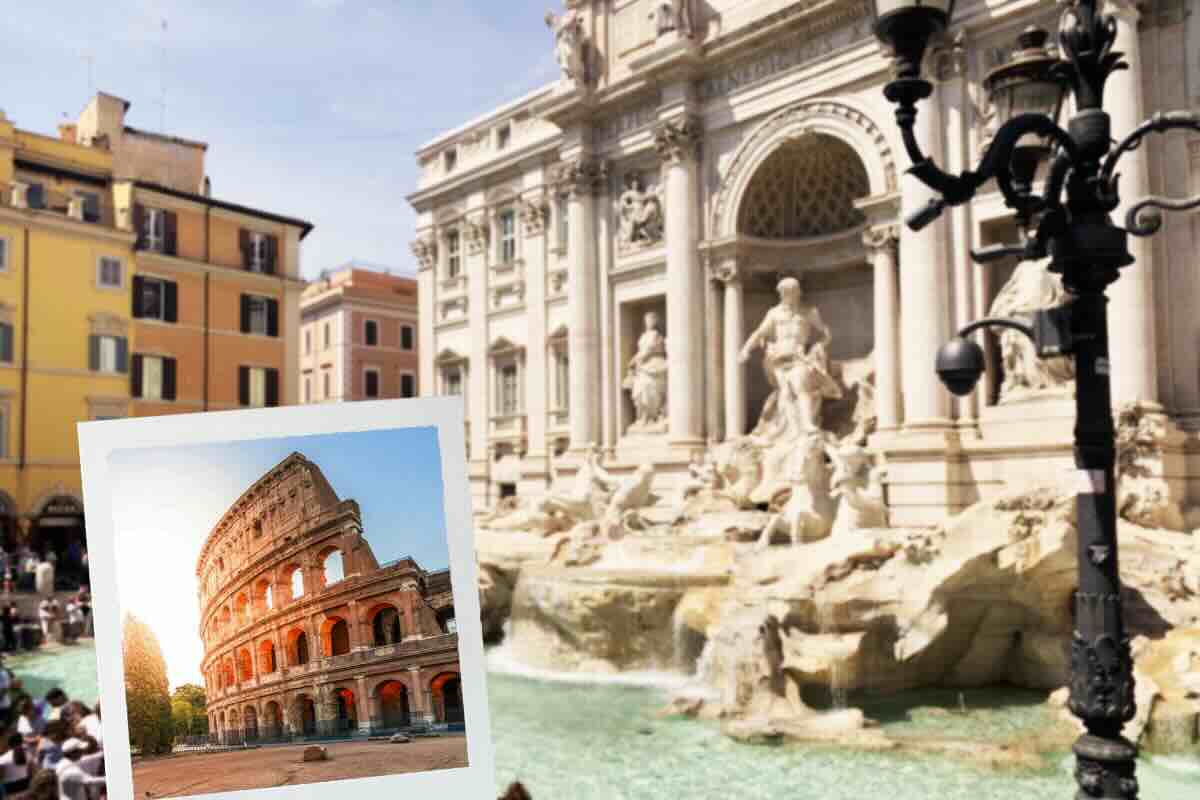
(167, 500)
(311, 108)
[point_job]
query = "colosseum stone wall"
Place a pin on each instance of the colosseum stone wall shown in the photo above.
(305, 633)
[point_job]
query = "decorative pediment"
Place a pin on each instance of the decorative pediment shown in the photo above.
(424, 247)
(559, 332)
(504, 346)
(535, 211)
(449, 356)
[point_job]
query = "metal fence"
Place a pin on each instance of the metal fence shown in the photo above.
(319, 730)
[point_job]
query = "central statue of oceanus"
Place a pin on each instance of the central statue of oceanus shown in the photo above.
(794, 341)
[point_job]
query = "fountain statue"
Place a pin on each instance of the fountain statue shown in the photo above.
(568, 42)
(646, 379)
(794, 341)
(808, 513)
(1031, 287)
(860, 489)
(640, 213)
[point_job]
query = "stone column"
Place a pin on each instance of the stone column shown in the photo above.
(357, 640)
(362, 701)
(953, 70)
(419, 707)
(678, 142)
(534, 216)
(714, 421)
(579, 180)
(425, 248)
(1131, 308)
(924, 290)
(477, 393)
(734, 336)
(881, 249)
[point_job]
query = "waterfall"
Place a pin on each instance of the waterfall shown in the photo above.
(826, 619)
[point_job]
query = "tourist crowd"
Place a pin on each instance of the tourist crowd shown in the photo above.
(22, 569)
(50, 749)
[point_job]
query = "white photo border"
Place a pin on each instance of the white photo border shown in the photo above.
(97, 440)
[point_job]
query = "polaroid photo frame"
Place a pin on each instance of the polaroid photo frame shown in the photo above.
(99, 441)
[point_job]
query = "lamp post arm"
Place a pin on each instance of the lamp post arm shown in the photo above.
(997, 322)
(1137, 222)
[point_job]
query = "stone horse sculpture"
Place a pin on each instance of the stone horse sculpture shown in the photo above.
(859, 488)
(808, 513)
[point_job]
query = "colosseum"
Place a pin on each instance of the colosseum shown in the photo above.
(306, 634)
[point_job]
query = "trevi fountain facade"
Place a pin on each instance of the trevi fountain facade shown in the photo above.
(696, 346)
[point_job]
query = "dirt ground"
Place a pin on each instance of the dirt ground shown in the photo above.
(202, 773)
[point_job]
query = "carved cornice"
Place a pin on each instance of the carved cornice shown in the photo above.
(425, 249)
(725, 270)
(581, 176)
(534, 212)
(677, 140)
(477, 232)
(879, 237)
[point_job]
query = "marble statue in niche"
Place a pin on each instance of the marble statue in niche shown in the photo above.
(794, 340)
(646, 379)
(568, 42)
(641, 214)
(1030, 288)
(671, 16)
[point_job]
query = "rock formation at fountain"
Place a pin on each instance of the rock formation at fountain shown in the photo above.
(770, 610)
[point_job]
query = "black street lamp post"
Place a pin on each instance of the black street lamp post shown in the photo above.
(1069, 223)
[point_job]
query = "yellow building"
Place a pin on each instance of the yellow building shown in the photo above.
(64, 326)
(126, 289)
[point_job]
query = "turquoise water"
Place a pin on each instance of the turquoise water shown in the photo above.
(605, 742)
(71, 668)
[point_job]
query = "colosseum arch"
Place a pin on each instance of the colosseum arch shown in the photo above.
(226, 618)
(335, 636)
(245, 663)
(241, 609)
(266, 657)
(272, 722)
(299, 648)
(250, 722)
(263, 596)
(446, 689)
(346, 705)
(333, 567)
(394, 706)
(304, 714)
(386, 626)
(293, 575)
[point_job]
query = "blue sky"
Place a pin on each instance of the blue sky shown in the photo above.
(167, 500)
(311, 108)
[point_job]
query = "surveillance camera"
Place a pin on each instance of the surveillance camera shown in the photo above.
(959, 365)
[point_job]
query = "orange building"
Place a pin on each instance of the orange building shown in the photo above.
(358, 337)
(216, 286)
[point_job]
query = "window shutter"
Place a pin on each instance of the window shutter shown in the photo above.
(244, 386)
(139, 225)
(245, 313)
(272, 253)
(407, 387)
(91, 207)
(170, 223)
(272, 317)
(170, 301)
(168, 379)
(93, 353)
(272, 387)
(122, 354)
(135, 376)
(36, 196)
(6, 343)
(138, 290)
(244, 245)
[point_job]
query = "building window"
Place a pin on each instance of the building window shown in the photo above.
(153, 377)
(154, 298)
(6, 343)
(562, 223)
(259, 252)
(450, 160)
(371, 383)
(260, 315)
(308, 390)
(452, 381)
(307, 341)
(503, 137)
(562, 379)
(107, 353)
(157, 230)
(452, 625)
(508, 390)
(258, 387)
(406, 337)
(35, 196)
(326, 345)
(508, 236)
(91, 206)
(108, 272)
(453, 254)
(3, 255)
(371, 333)
(3, 432)
(328, 391)
(408, 385)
